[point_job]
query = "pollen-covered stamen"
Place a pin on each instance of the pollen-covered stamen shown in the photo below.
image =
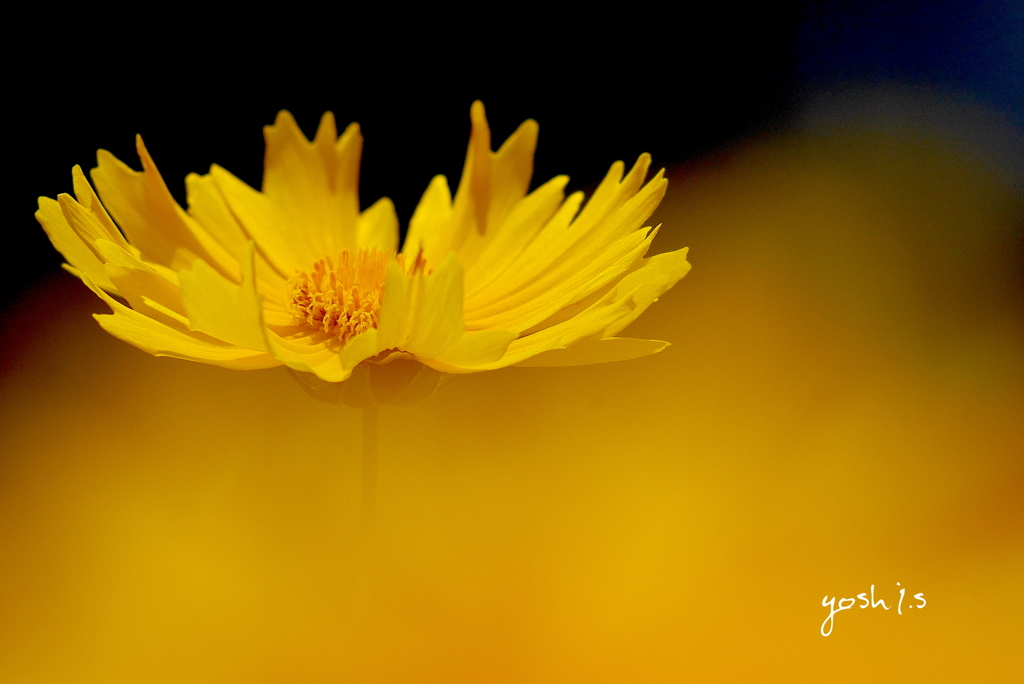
(340, 295)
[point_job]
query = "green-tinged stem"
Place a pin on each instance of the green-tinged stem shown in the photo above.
(369, 462)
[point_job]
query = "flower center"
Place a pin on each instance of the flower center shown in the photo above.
(340, 296)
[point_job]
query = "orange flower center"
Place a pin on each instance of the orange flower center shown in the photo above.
(340, 296)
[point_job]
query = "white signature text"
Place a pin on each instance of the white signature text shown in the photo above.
(848, 603)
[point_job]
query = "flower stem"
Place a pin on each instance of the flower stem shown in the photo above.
(369, 463)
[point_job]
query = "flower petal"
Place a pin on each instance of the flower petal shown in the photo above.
(359, 348)
(313, 186)
(605, 318)
(436, 307)
(491, 185)
(430, 220)
(472, 351)
(644, 286)
(303, 353)
(219, 308)
(527, 218)
(151, 290)
(378, 226)
(158, 339)
(70, 245)
(511, 171)
(86, 197)
(309, 356)
(393, 325)
(535, 303)
(257, 217)
(495, 186)
(616, 210)
(150, 218)
(596, 351)
(207, 206)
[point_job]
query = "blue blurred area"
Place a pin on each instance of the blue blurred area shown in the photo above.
(971, 47)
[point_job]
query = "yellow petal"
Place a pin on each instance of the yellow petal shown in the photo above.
(219, 308)
(378, 226)
(491, 186)
(535, 303)
(359, 348)
(207, 206)
(136, 287)
(393, 326)
(437, 311)
(314, 186)
(144, 333)
(610, 314)
(114, 254)
(556, 237)
(309, 207)
(508, 174)
(473, 351)
(151, 290)
(471, 199)
(307, 355)
(70, 245)
(556, 253)
(496, 288)
(596, 351)
(310, 353)
(624, 302)
(429, 221)
(258, 217)
(85, 223)
(614, 191)
(329, 364)
(158, 339)
(646, 284)
(559, 268)
(526, 219)
(150, 218)
(511, 171)
(91, 203)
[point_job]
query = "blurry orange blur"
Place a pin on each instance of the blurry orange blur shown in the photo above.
(842, 406)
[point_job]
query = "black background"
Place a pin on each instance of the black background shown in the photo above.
(605, 83)
(599, 93)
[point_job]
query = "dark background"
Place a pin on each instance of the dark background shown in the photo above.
(678, 82)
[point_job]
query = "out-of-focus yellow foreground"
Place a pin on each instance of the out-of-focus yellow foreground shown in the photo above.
(841, 407)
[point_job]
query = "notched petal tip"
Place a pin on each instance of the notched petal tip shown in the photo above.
(351, 131)
(480, 136)
(327, 130)
(144, 156)
(283, 119)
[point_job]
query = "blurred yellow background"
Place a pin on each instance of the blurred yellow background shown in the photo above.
(841, 406)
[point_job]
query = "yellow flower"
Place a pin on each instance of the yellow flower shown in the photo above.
(296, 275)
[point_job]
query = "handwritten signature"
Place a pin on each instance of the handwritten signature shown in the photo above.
(848, 603)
